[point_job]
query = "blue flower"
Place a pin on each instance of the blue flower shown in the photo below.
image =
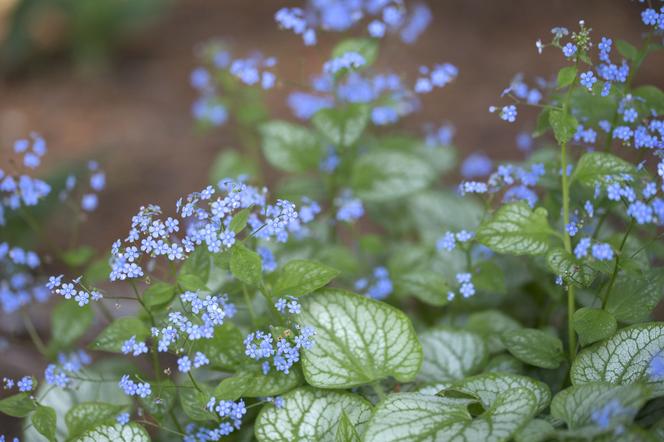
(476, 165)
(122, 418)
(25, 384)
(602, 251)
(588, 79)
(569, 50)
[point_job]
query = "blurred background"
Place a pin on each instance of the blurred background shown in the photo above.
(109, 80)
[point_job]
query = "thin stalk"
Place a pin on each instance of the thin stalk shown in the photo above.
(614, 274)
(34, 336)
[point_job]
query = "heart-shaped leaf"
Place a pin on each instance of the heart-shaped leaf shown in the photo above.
(625, 358)
(358, 341)
(115, 433)
(313, 415)
(451, 354)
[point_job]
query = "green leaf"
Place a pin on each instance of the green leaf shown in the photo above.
(634, 297)
(451, 354)
(366, 47)
(488, 277)
(566, 76)
(653, 98)
(239, 221)
(491, 324)
(159, 295)
(78, 257)
(352, 345)
(517, 230)
(622, 359)
(346, 431)
(563, 124)
(342, 126)
(131, 432)
(415, 417)
(311, 415)
(226, 348)
(198, 264)
(273, 383)
(534, 347)
(573, 271)
(504, 363)
(537, 430)
(69, 322)
(191, 282)
(299, 277)
(18, 405)
(427, 286)
(385, 175)
(593, 324)
(88, 415)
(162, 399)
(115, 334)
(194, 404)
(575, 405)
(231, 164)
(542, 124)
(627, 50)
(488, 386)
(45, 422)
(246, 265)
(232, 388)
(599, 167)
(290, 147)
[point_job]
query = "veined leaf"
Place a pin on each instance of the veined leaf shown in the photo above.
(387, 175)
(246, 265)
(353, 345)
(573, 271)
(491, 324)
(599, 167)
(313, 415)
(45, 421)
(534, 347)
(517, 230)
(624, 358)
(18, 405)
(290, 147)
(415, 417)
(131, 432)
(451, 354)
(113, 336)
(575, 405)
(88, 415)
(299, 277)
(342, 126)
(593, 324)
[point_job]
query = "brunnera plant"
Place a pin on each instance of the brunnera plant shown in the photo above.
(360, 299)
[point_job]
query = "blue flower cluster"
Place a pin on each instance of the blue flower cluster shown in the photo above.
(203, 315)
(386, 16)
(349, 209)
(131, 388)
(68, 365)
(73, 290)
(280, 351)
(599, 250)
(466, 286)
(229, 412)
(24, 385)
(651, 17)
(390, 97)
(603, 417)
(89, 197)
(450, 240)
(378, 287)
(20, 189)
(18, 285)
(133, 347)
(206, 220)
(519, 182)
(185, 363)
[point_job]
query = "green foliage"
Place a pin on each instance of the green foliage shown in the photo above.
(345, 357)
(114, 335)
(518, 230)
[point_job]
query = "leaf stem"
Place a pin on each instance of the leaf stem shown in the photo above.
(34, 336)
